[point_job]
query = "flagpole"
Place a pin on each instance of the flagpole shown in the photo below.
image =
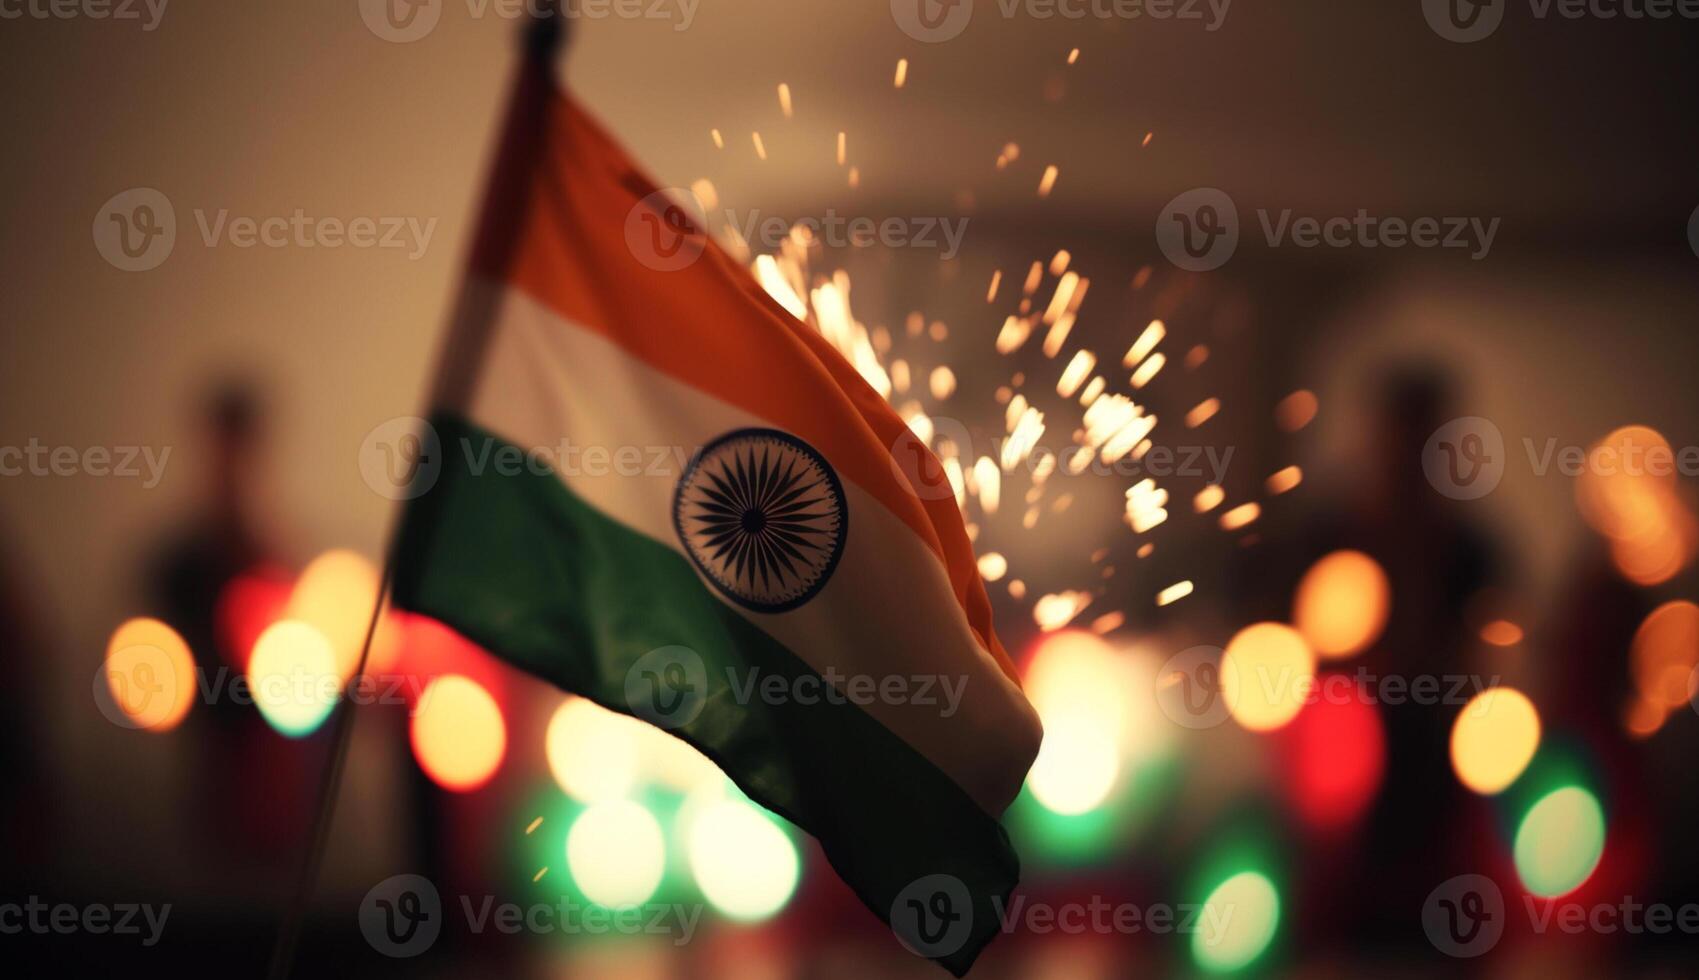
(543, 37)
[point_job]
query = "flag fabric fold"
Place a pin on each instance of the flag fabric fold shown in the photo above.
(655, 487)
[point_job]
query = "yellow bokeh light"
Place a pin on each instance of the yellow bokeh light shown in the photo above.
(150, 674)
(335, 595)
(1665, 652)
(1078, 686)
(592, 752)
(1342, 604)
(1076, 768)
(293, 677)
(616, 853)
(459, 735)
(1267, 675)
(1494, 739)
(743, 862)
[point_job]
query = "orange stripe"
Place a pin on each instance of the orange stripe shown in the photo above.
(712, 326)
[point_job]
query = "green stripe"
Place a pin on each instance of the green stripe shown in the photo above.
(525, 568)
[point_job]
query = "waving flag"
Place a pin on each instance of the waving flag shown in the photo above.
(716, 526)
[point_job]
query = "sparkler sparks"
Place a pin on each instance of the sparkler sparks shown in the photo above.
(1148, 370)
(1112, 427)
(1146, 343)
(1284, 480)
(1048, 182)
(1174, 593)
(1240, 516)
(1204, 411)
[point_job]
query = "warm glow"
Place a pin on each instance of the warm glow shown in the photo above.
(1494, 739)
(1296, 410)
(1266, 676)
(335, 596)
(744, 863)
(1502, 633)
(1284, 480)
(1084, 713)
(1342, 604)
(1665, 653)
(459, 736)
(1627, 492)
(592, 752)
(150, 674)
(294, 678)
(616, 853)
(1240, 516)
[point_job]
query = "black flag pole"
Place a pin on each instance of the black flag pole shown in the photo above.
(543, 37)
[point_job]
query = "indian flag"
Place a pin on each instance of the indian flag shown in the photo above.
(653, 486)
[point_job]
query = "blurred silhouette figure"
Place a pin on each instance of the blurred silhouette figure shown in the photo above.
(1367, 888)
(1421, 830)
(253, 783)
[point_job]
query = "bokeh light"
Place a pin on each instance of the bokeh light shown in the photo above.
(1342, 604)
(250, 603)
(335, 595)
(1070, 681)
(1267, 674)
(1627, 492)
(458, 732)
(592, 752)
(1501, 633)
(1494, 738)
(1665, 652)
(293, 676)
(616, 853)
(745, 864)
(1560, 842)
(1337, 746)
(1238, 921)
(150, 674)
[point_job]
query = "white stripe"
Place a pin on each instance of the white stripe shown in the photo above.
(887, 611)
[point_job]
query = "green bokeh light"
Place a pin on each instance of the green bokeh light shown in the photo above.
(1560, 842)
(1238, 922)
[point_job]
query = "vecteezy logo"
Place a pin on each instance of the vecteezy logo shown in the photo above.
(401, 21)
(1189, 689)
(401, 916)
(665, 231)
(1464, 458)
(1464, 916)
(138, 687)
(933, 917)
(1464, 21)
(1199, 230)
(918, 469)
(762, 516)
(401, 459)
(932, 21)
(667, 687)
(136, 230)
